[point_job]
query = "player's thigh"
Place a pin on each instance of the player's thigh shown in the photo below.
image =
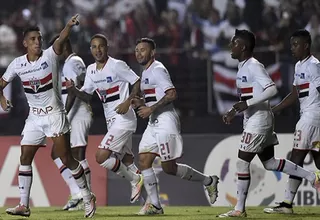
(148, 142)
(56, 125)
(170, 146)
(302, 136)
(256, 143)
(80, 131)
(32, 134)
(115, 140)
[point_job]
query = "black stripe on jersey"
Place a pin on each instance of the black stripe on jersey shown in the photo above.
(112, 98)
(245, 98)
(150, 99)
(43, 89)
(64, 91)
(303, 94)
(318, 88)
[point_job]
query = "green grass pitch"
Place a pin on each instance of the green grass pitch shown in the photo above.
(171, 213)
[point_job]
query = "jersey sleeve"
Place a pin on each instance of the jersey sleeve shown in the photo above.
(88, 86)
(260, 75)
(314, 69)
(125, 73)
(10, 73)
(51, 54)
(163, 78)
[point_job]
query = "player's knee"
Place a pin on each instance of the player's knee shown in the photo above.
(127, 159)
(169, 167)
(102, 156)
(271, 164)
(243, 166)
(144, 162)
(25, 159)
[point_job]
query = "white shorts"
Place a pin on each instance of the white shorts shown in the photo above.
(160, 142)
(256, 143)
(37, 128)
(118, 141)
(306, 136)
(80, 130)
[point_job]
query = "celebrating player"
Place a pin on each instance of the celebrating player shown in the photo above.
(47, 117)
(256, 89)
(162, 135)
(306, 88)
(80, 118)
(110, 78)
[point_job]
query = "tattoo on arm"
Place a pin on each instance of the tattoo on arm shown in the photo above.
(170, 96)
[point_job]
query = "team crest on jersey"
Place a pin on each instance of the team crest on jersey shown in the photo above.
(302, 76)
(244, 79)
(109, 79)
(146, 81)
(44, 65)
(35, 84)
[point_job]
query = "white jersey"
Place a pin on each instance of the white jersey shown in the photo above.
(155, 81)
(306, 80)
(252, 80)
(111, 84)
(75, 69)
(40, 80)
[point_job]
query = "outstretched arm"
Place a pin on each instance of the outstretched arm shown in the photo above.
(5, 104)
(290, 99)
(64, 34)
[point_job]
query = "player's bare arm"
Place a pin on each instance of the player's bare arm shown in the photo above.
(5, 104)
(64, 34)
(289, 100)
(70, 100)
(77, 93)
(124, 107)
(169, 97)
(229, 115)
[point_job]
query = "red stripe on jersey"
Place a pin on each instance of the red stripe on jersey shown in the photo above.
(42, 81)
(304, 86)
(64, 84)
(149, 91)
(112, 90)
(246, 90)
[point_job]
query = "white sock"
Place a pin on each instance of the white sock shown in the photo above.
(134, 168)
(25, 182)
(188, 173)
(119, 168)
(291, 189)
(80, 178)
(151, 186)
(243, 184)
(68, 178)
(290, 168)
(87, 172)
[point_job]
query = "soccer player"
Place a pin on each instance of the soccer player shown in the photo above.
(110, 78)
(162, 135)
(255, 90)
(47, 118)
(80, 118)
(306, 88)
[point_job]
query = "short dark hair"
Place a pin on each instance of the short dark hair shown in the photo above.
(248, 37)
(30, 29)
(101, 36)
(302, 33)
(148, 41)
